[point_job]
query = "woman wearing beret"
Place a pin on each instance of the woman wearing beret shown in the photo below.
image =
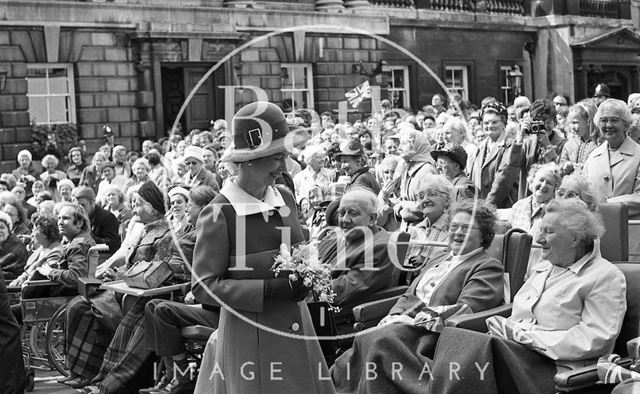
(198, 175)
(261, 346)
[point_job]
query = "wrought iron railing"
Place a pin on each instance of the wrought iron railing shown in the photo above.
(603, 9)
(512, 7)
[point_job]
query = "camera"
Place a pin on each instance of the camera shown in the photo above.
(534, 127)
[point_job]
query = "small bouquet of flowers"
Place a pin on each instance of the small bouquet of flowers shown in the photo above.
(304, 264)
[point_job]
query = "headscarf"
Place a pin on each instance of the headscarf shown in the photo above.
(421, 148)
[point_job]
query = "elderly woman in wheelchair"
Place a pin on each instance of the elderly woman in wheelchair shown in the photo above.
(462, 281)
(566, 315)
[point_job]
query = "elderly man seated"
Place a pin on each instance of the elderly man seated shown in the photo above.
(358, 253)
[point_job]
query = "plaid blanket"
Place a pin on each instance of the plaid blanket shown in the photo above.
(87, 338)
(127, 352)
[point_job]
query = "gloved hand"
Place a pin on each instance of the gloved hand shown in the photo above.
(283, 289)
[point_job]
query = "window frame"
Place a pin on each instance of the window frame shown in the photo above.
(465, 91)
(406, 90)
(308, 90)
(70, 95)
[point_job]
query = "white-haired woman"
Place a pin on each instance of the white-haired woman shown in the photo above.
(50, 177)
(613, 168)
(566, 315)
(26, 173)
(314, 174)
(140, 173)
(114, 202)
(455, 132)
(65, 188)
(577, 186)
(527, 212)
(432, 195)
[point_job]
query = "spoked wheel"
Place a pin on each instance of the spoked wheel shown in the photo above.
(55, 341)
(37, 341)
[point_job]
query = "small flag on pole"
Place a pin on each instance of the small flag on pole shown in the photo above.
(359, 93)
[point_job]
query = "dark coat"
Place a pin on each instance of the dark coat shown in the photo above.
(205, 177)
(74, 263)
(90, 177)
(104, 228)
(218, 262)
(12, 376)
(13, 257)
(365, 178)
(352, 284)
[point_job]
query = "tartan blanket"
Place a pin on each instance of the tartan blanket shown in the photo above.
(127, 353)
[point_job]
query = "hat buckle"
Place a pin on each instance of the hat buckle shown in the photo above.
(253, 138)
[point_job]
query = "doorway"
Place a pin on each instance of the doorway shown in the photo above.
(206, 105)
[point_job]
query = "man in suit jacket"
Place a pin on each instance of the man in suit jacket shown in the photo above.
(494, 171)
(363, 267)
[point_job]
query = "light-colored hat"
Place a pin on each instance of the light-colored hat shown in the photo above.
(178, 190)
(25, 152)
(260, 130)
(193, 152)
(634, 101)
(6, 219)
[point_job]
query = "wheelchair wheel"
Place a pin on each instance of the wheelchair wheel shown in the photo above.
(55, 341)
(37, 344)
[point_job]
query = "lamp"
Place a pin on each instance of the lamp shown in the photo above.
(362, 70)
(515, 80)
(3, 79)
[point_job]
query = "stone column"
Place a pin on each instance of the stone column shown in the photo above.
(329, 5)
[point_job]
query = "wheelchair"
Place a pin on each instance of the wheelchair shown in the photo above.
(43, 328)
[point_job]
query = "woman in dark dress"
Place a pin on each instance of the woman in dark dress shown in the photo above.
(12, 376)
(239, 235)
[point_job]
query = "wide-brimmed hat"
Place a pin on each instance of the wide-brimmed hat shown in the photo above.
(454, 152)
(107, 164)
(353, 148)
(259, 130)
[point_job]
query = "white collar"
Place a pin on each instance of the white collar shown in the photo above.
(245, 204)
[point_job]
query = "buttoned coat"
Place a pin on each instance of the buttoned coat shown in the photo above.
(229, 272)
(616, 179)
(495, 173)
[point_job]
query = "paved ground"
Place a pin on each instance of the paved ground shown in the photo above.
(46, 383)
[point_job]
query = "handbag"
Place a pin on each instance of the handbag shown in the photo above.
(148, 274)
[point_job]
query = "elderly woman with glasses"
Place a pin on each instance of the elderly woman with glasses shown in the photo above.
(613, 168)
(433, 196)
(566, 315)
(462, 281)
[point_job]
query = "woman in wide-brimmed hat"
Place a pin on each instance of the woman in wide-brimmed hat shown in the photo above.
(239, 235)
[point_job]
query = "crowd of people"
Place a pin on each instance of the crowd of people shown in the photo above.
(215, 205)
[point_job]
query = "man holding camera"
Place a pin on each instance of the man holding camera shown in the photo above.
(542, 142)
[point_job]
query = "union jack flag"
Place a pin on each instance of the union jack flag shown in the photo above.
(359, 93)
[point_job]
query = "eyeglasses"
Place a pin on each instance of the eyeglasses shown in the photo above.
(430, 193)
(453, 227)
(566, 194)
(190, 163)
(612, 120)
(559, 103)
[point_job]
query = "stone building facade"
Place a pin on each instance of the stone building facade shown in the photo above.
(131, 64)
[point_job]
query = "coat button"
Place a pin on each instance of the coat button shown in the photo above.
(295, 327)
(606, 179)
